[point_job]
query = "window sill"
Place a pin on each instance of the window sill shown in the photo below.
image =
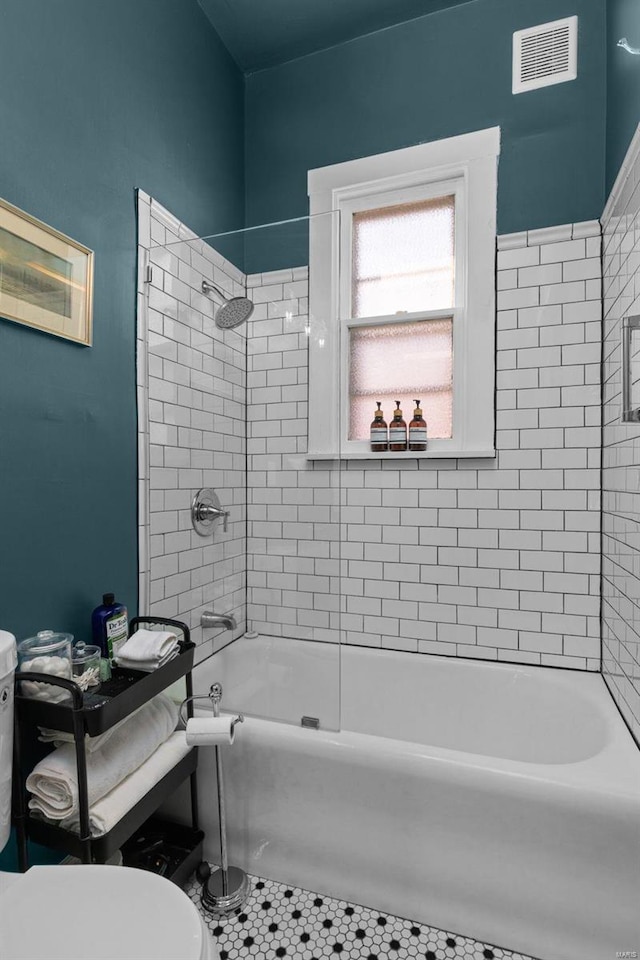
(409, 455)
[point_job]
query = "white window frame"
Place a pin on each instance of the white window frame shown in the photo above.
(465, 166)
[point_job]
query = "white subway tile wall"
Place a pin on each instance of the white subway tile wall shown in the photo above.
(294, 547)
(191, 426)
(491, 559)
(621, 449)
(496, 559)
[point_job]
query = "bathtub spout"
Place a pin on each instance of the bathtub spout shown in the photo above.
(211, 619)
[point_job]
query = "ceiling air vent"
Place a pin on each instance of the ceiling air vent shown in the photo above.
(545, 54)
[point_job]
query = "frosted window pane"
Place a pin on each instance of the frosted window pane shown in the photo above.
(401, 361)
(403, 258)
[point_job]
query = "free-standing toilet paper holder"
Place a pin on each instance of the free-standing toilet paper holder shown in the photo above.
(226, 889)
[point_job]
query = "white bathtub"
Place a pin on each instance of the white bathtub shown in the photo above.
(497, 801)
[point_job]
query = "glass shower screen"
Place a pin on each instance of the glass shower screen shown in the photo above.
(227, 335)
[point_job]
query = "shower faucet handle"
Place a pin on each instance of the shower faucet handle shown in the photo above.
(207, 512)
(206, 509)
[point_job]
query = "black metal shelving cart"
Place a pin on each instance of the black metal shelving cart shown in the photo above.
(92, 714)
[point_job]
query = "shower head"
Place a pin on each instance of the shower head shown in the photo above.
(233, 313)
(234, 310)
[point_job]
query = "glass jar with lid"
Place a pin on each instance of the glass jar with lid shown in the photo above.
(85, 664)
(47, 652)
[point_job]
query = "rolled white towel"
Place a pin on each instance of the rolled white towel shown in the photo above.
(105, 813)
(148, 646)
(53, 782)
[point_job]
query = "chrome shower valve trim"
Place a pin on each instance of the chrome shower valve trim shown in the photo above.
(206, 510)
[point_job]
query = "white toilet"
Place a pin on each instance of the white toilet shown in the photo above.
(78, 912)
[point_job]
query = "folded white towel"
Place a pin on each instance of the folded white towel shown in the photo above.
(105, 813)
(59, 737)
(148, 646)
(53, 782)
(146, 665)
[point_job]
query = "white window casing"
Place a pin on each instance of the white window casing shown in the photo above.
(464, 166)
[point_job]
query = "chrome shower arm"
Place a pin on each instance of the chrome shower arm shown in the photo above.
(209, 287)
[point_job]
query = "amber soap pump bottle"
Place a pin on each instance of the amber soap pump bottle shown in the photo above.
(418, 430)
(398, 431)
(379, 436)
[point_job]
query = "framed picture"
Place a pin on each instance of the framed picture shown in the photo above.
(46, 279)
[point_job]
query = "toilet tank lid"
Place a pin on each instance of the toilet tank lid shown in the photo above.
(8, 657)
(149, 918)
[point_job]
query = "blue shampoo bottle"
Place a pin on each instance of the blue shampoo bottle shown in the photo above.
(109, 626)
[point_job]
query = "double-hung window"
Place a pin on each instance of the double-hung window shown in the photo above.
(402, 280)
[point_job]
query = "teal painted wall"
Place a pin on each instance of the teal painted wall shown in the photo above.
(97, 99)
(441, 75)
(623, 82)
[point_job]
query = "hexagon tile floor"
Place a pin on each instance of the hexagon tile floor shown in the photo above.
(279, 921)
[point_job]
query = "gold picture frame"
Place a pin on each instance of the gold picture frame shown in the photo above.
(46, 278)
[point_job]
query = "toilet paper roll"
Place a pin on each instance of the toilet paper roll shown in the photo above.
(210, 731)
